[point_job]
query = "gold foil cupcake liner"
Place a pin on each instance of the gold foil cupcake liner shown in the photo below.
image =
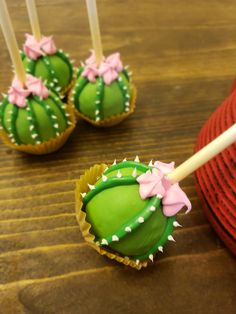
(90, 176)
(68, 88)
(116, 119)
(46, 147)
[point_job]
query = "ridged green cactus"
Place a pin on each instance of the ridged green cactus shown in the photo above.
(121, 221)
(39, 121)
(56, 69)
(99, 101)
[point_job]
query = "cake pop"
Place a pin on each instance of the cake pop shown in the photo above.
(103, 93)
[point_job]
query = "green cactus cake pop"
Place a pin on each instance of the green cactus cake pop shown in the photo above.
(103, 95)
(33, 119)
(128, 213)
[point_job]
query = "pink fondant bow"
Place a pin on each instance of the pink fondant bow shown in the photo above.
(155, 183)
(108, 69)
(18, 93)
(34, 49)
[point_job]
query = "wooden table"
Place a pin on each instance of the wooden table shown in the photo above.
(183, 55)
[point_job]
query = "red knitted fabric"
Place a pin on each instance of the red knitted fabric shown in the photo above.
(216, 180)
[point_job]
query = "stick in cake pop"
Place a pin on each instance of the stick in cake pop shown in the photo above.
(128, 211)
(42, 59)
(103, 93)
(32, 118)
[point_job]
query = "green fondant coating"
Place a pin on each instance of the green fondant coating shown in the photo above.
(39, 121)
(56, 69)
(128, 164)
(115, 205)
(44, 123)
(134, 223)
(24, 128)
(114, 181)
(98, 101)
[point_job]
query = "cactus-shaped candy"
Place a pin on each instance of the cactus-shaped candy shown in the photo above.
(131, 209)
(105, 92)
(43, 60)
(33, 115)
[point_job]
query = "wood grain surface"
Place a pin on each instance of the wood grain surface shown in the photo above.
(183, 55)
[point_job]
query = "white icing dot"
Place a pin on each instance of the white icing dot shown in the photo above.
(115, 238)
(151, 257)
(160, 248)
(150, 163)
(170, 238)
(152, 208)
(140, 220)
(176, 224)
(119, 174)
(128, 229)
(134, 173)
(104, 178)
(104, 242)
(91, 187)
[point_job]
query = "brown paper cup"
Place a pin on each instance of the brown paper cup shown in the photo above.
(45, 147)
(116, 119)
(90, 176)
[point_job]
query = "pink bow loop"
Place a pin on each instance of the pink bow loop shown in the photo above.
(90, 72)
(47, 45)
(151, 184)
(174, 200)
(36, 87)
(18, 93)
(163, 167)
(108, 69)
(155, 183)
(114, 61)
(34, 49)
(108, 73)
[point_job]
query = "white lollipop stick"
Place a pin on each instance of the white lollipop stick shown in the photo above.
(11, 42)
(34, 21)
(204, 155)
(94, 29)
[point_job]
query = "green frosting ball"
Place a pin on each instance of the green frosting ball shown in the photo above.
(120, 219)
(55, 69)
(99, 101)
(39, 121)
